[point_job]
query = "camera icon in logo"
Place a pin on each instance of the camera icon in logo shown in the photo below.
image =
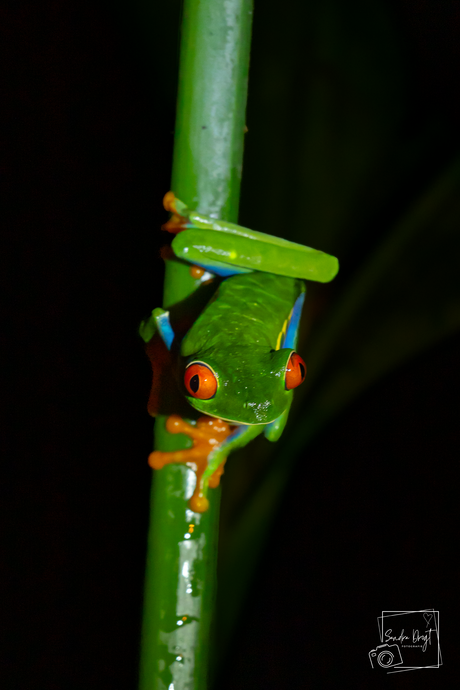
(385, 656)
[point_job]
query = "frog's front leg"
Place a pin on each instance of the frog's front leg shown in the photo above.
(213, 440)
(208, 434)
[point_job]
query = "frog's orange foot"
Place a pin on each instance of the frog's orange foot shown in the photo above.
(176, 223)
(208, 433)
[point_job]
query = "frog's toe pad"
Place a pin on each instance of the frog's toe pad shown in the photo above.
(198, 503)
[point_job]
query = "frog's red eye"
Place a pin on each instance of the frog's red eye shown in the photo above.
(200, 381)
(295, 371)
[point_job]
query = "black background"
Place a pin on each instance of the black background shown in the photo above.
(90, 116)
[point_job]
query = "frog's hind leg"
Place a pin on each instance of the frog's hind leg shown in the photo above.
(212, 266)
(209, 239)
(181, 221)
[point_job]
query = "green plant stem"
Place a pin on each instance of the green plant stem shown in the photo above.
(207, 164)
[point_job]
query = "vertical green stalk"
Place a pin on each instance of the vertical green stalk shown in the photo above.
(208, 153)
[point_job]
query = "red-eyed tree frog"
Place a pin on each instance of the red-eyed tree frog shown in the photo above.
(237, 363)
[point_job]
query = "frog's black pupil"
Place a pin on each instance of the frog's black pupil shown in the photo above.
(195, 383)
(302, 370)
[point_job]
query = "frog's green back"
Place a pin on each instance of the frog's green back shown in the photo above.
(247, 310)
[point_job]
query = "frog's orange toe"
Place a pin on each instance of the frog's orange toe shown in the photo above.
(176, 223)
(196, 272)
(156, 460)
(168, 202)
(176, 425)
(199, 503)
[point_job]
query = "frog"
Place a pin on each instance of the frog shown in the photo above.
(237, 364)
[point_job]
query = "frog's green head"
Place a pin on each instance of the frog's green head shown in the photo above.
(244, 385)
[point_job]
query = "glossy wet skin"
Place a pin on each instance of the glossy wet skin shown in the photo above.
(250, 384)
(238, 336)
